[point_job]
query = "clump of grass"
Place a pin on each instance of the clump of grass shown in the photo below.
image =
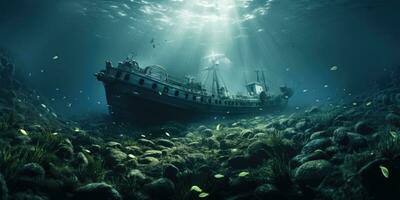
(388, 146)
(93, 172)
(280, 173)
(12, 158)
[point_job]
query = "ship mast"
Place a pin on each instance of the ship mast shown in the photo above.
(215, 80)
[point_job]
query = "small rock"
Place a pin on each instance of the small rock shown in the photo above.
(81, 160)
(98, 191)
(363, 128)
(65, 152)
(170, 171)
(113, 144)
(319, 135)
(114, 156)
(135, 150)
(152, 153)
(31, 170)
(393, 119)
(137, 175)
(246, 133)
(267, 191)
(165, 143)
(212, 143)
(207, 132)
(148, 161)
(301, 125)
(316, 155)
(316, 144)
(161, 188)
(146, 142)
(312, 172)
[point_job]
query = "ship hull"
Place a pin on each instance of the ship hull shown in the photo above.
(135, 103)
(142, 98)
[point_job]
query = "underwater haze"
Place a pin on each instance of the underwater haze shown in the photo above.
(295, 42)
(199, 99)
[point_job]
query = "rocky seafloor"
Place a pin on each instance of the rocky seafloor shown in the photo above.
(343, 151)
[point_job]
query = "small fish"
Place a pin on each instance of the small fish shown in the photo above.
(76, 129)
(131, 156)
(218, 127)
(23, 132)
(243, 174)
(385, 171)
(354, 103)
(218, 176)
(334, 68)
(87, 150)
(143, 136)
(196, 188)
(44, 106)
(167, 134)
(203, 195)
(325, 86)
(305, 90)
(368, 103)
(55, 133)
(55, 57)
(393, 134)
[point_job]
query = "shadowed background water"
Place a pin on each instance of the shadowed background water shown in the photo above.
(58, 45)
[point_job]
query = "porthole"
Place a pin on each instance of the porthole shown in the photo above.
(141, 81)
(154, 86)
(166, 89)
(176, 93)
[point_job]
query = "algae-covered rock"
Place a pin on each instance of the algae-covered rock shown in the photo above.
(165, 142)
(312, 172)
(162, 188)
(98, 191)
(268, 191)
(316, 144)
(114, 156)
(363, 127)
(31, 170)
(170, 171)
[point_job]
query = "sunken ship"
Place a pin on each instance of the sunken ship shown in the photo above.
(150, 93)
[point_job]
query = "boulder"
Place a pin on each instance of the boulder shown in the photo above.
(148, 160)
(363, 127)
(207, 132)
(161, 188)
(319, 135)
(98, 191)
(31, 170)
(137, 176)
(152, 153)
(165, 143)
(114, 156)
(312, 172)
(268, 191)
(393, 119)
(146, 142)
(170, 171)
(316, 144)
